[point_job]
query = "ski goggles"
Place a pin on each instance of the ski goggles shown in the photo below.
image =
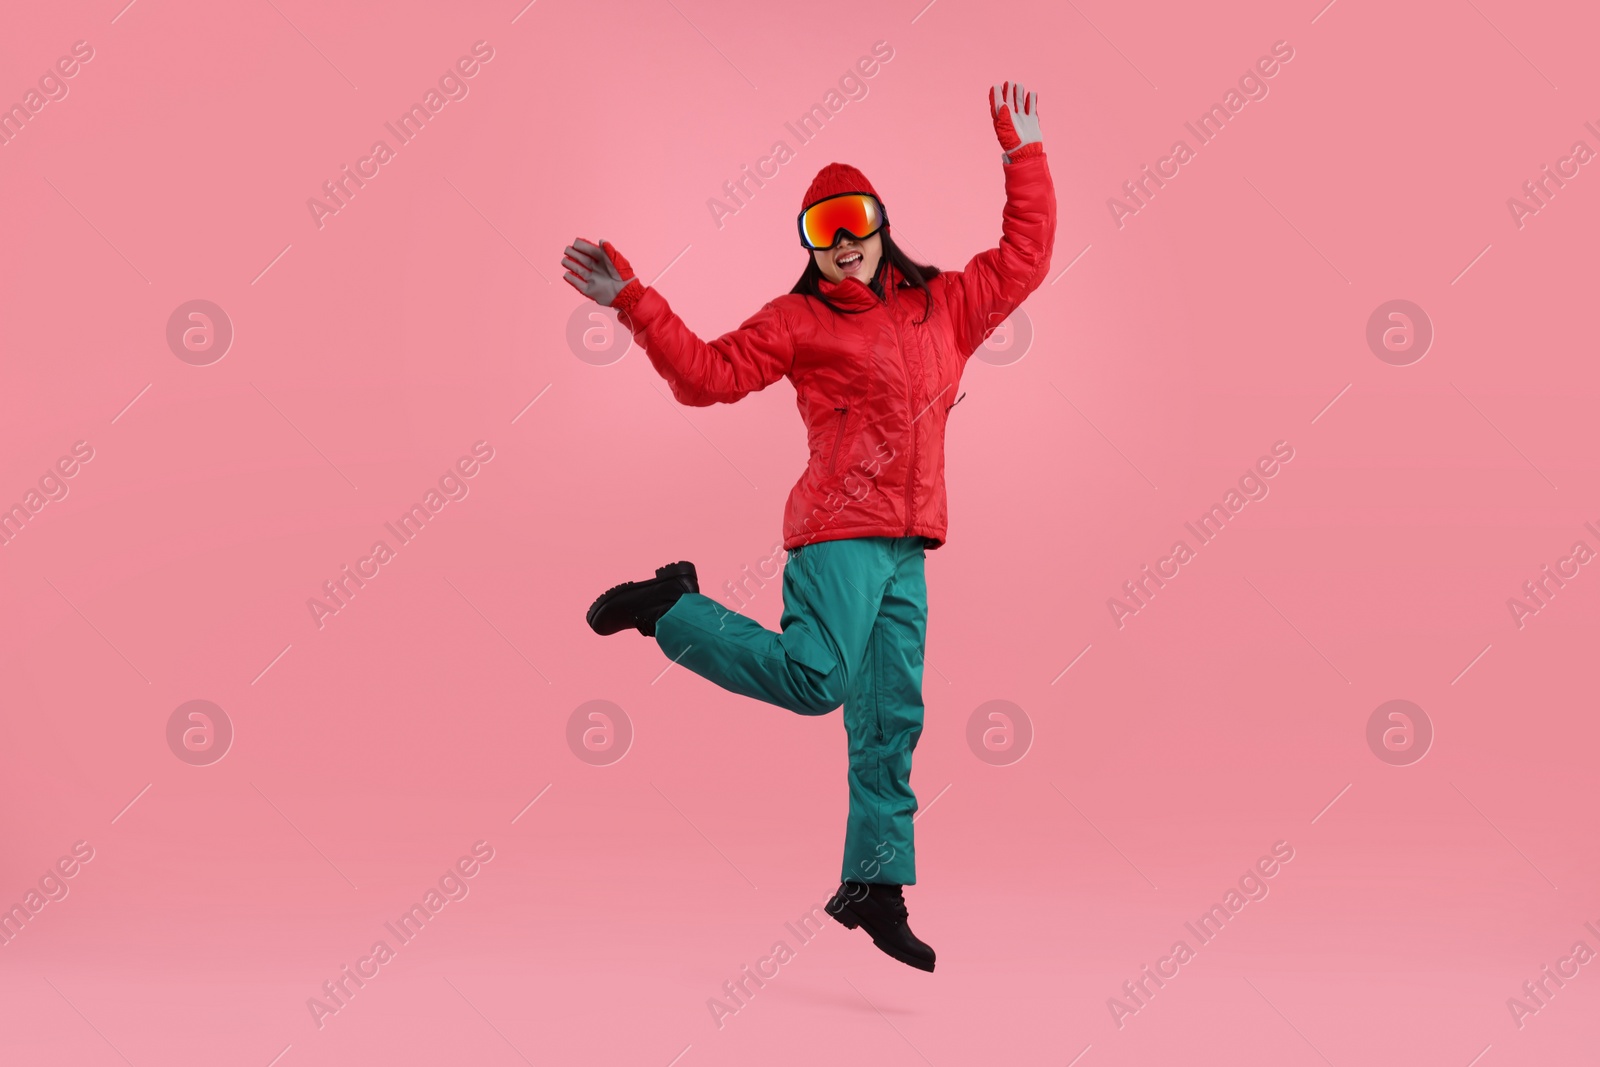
(858, 214)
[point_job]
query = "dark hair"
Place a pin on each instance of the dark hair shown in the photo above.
(913, 275)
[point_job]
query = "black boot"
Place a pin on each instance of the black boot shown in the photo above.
(637, 605)
(881, 911)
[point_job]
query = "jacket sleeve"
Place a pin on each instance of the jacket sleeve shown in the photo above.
(995, 283)
(721, 371)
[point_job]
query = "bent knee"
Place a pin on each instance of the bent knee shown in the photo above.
(824, 694)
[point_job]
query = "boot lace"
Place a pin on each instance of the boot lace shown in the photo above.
(895, 905)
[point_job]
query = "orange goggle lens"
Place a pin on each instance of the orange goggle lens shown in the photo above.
(857, 214)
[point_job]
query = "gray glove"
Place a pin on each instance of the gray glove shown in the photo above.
(599, 272)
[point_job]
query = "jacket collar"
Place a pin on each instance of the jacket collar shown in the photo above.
(858, 296)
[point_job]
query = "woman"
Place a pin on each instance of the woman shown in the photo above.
(874, 344)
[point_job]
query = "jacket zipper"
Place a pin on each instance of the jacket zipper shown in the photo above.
(912, 378)
(838, 438)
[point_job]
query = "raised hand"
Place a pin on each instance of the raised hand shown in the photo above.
(599, 272)
(1016, 116)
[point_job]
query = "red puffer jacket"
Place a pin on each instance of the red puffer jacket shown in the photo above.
(874, 388)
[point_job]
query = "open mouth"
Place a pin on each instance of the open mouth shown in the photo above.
(848, 261)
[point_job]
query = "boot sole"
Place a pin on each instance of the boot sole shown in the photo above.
(849, 921)
(680, 569)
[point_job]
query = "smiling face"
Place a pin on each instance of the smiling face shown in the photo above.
(851, 258)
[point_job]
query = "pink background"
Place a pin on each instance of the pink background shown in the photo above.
(370, 353)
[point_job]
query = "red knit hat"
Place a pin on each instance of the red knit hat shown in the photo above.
(834, 179)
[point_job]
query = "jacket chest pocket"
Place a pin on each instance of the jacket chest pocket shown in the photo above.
(931, 362)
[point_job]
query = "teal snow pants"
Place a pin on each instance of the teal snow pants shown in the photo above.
(855, 620)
